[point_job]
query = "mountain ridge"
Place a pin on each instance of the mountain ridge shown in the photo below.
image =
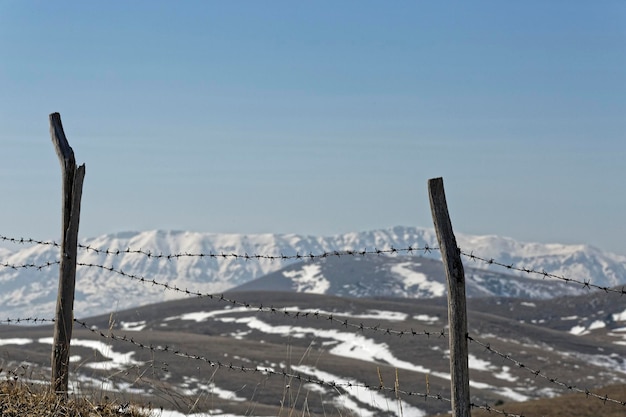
(98, 289)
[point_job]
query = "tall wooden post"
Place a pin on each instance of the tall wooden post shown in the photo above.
(72, 191)
(457, 310)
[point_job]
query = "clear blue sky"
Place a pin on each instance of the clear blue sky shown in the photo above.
(318, 117)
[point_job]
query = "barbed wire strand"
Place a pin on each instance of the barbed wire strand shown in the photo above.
(544, 274)
(29, 266)
(257, 369)
(283, 373)
(538, 373)
(221, 255)
(487, 347)
(27, 241)
(26, 320)
(298, 256)
(256, 256)
(489, 261)
(296, 314)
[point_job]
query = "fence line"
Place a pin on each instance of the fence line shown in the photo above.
(64, 321)
(310, 256)
(307, 314)
(241, 368)
(271, 309)
(270, 372)
(361, 327)
(487, 346)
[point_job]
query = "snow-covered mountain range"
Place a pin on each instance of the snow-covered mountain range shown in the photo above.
(28, 292)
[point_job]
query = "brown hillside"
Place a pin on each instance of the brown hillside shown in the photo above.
(570, 405)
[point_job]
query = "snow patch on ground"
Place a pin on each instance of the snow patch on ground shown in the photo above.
(133, 325)
(309, 279)
(213, 413)
(598, 324)
(425, 317)
(370, 314)
(116, 361)
(411, 278)
(579, 330)
(505, 375)
(582, 330)
(510, 393)
(478, 364)
(84, 384)
(204, 388)
(620, 316)
(612, 362)
(348, 345)
(504, 391)
(15, 341)
(200, 316)
(360, 401)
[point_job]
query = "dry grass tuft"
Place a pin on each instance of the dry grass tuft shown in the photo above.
(18, 399)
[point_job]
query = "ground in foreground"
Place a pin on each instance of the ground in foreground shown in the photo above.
(18, 399)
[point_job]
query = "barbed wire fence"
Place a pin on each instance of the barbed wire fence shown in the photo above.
(64, 321)
(410, 250)
(335, 319)
(259, 369)
(295, 314)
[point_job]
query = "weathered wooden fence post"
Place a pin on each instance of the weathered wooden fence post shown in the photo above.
(457, 310)
(72, 191)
